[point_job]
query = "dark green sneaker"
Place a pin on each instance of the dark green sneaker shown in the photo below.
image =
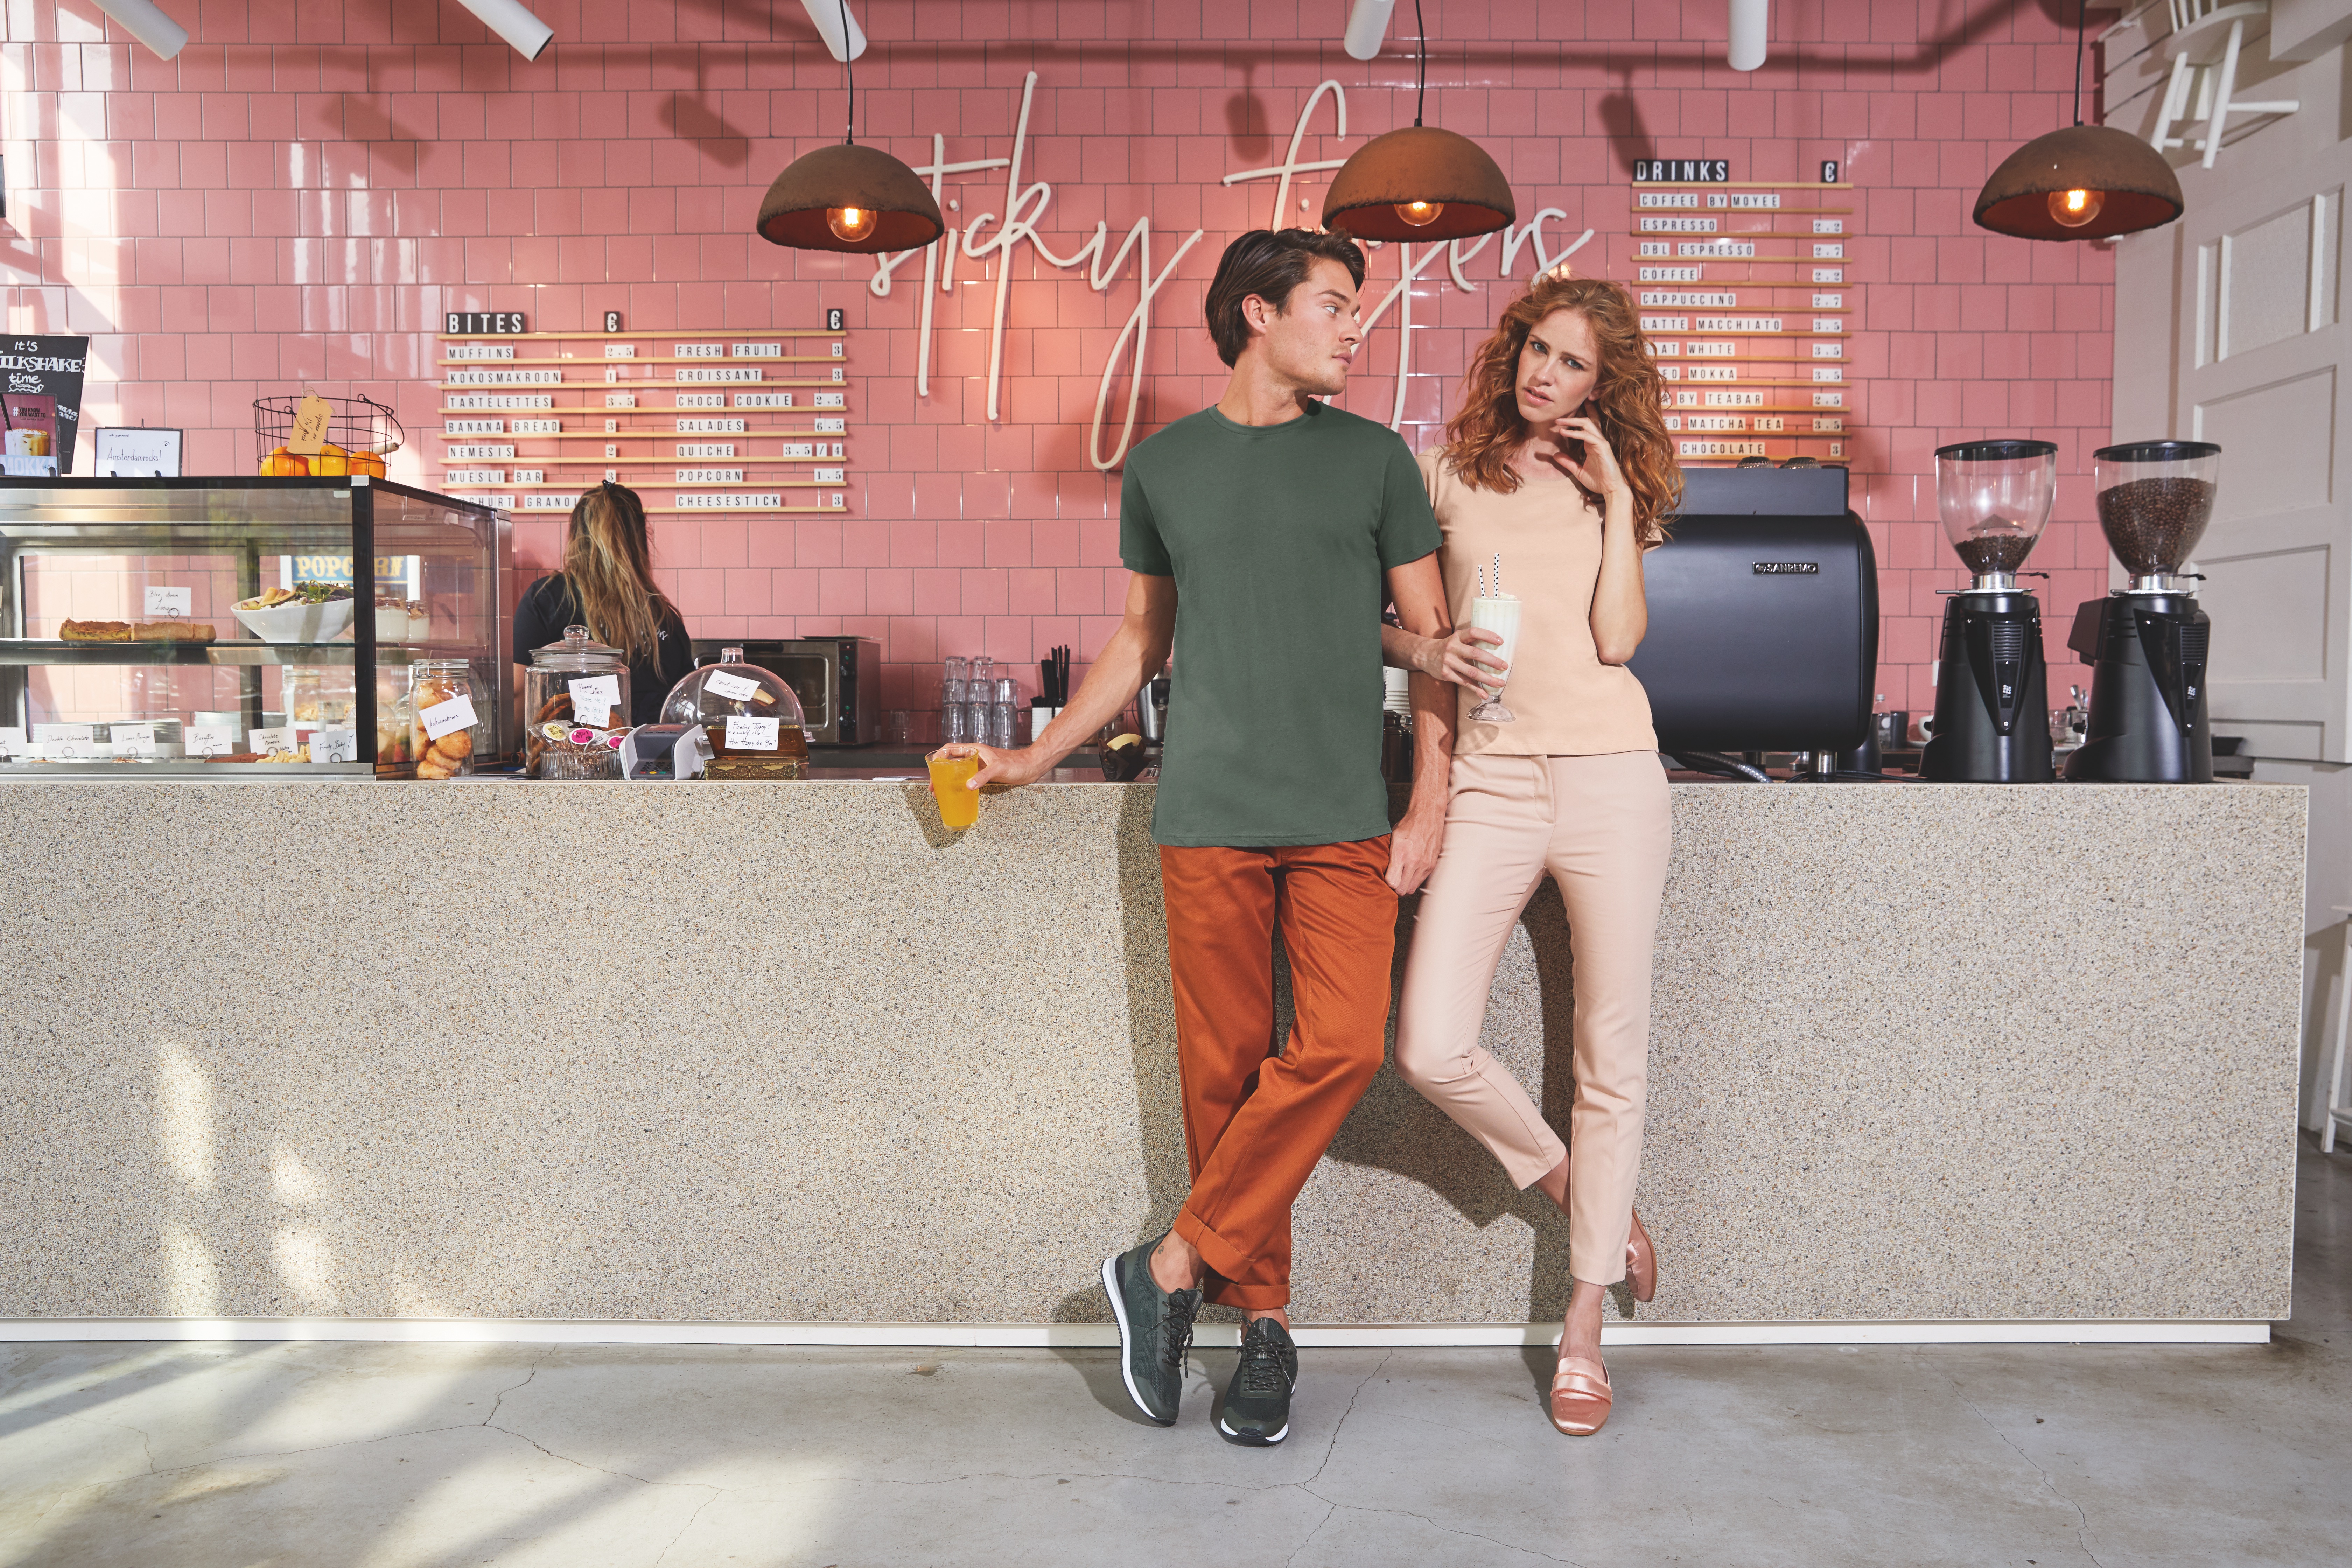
(1155, 1330)
(1257, 1403)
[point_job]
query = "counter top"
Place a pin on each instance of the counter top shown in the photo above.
(774, 1052)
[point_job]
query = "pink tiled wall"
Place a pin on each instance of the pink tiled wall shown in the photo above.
(300, 194)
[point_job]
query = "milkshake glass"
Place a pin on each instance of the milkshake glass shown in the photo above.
(1500, 615)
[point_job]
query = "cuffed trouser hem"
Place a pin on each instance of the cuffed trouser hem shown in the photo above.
(1227, 1262)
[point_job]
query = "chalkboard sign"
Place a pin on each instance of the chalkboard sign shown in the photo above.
(40, 395)
(138, 454)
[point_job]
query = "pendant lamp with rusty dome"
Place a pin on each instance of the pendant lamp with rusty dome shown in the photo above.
(2083, 182)
(850, 199)
(1421, 183)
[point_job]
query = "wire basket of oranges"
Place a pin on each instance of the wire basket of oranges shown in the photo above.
(361, 434)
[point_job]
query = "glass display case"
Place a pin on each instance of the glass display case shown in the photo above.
(217, 627)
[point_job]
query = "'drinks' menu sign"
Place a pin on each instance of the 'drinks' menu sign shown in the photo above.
(40, 395)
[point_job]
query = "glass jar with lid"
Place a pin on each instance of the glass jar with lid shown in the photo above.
(452, 724)
(576, 708)
(751, 716)
(321, 697)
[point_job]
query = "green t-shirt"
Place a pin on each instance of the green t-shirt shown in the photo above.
(1277, 536)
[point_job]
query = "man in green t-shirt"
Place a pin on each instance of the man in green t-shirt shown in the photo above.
(1264, 535)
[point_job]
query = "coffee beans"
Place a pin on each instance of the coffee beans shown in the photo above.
(2153, 524)
(1986, 553)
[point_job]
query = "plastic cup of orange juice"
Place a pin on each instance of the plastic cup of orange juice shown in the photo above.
(959, 807)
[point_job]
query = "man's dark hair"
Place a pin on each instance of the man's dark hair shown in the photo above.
(1269, 264)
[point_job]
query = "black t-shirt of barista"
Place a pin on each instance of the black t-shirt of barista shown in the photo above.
(547, 608)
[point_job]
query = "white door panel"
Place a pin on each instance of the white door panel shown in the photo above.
(2275, 602)
(2278, 441)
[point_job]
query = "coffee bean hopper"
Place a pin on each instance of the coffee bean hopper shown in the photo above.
(2147, 643)
(1992, 720)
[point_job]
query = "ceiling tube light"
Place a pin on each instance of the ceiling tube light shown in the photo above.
(840, 30)
(1420, 183)
(2085, 181)
(849, 198)
(1751, 21)
(164, 36)
(510, 21)
(1368, 28)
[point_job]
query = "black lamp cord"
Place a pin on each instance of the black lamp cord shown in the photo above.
(849, 65)
(2079, 9)
(1421, 93)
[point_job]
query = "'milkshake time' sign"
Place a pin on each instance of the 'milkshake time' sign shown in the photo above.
(40, 395)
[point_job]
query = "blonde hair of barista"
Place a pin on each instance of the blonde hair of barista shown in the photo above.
(609, 563)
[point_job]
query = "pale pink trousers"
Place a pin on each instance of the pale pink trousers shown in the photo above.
(1601, 826)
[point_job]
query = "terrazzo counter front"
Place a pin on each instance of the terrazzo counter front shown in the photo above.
(766, 1053)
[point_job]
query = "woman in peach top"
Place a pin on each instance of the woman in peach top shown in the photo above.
(1560, 463)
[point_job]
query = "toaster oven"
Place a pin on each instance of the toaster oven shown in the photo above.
(837, 679)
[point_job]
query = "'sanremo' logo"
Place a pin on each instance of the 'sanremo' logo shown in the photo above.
(1788, 569)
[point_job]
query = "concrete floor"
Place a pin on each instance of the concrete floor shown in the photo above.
(352, 1456)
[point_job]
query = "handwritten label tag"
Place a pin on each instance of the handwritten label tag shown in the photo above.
(210, 740)
(66, 743)
(752, 734)
(11, 740)
(170, 602)
(281, 739)
(733, 687)
(594, 698)
(133, 740)
(334, 745)
(311, 416)
(446, 718)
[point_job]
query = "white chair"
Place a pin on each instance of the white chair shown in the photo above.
(2339, 1110)
(2213, 84)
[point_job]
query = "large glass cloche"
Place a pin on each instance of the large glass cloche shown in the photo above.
(749, 713)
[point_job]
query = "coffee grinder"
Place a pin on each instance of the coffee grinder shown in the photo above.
(2147, 643)
(1992, 724)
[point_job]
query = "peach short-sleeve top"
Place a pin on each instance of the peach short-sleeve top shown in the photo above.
(1566, 701)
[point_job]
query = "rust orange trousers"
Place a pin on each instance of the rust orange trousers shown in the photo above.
(1254, 1121)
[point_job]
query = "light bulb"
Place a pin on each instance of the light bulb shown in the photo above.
(1420, 215)
(2075, 208)
(852, 223)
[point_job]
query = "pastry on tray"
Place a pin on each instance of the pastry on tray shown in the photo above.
(171, 631)
(95, 631)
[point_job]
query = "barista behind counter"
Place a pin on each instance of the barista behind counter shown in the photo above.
(607, 585)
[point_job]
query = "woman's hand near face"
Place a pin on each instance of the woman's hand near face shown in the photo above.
(1599, 472)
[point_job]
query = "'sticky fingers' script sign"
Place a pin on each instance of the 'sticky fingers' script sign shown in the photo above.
(990, 234)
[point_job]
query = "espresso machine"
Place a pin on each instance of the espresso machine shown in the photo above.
(1992, 720)
(2147, 643)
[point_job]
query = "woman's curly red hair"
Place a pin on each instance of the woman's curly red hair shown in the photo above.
(1627, 399)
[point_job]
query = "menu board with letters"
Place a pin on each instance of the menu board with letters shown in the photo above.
(1745, 300)
(696, 422)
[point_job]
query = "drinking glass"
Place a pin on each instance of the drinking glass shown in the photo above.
(956, 669)
(896, 727)
(951, 724)
(1000, 726)
(976, 723)
(1005, 689)
(959, 807)
(1500, 616)
(981, 666)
